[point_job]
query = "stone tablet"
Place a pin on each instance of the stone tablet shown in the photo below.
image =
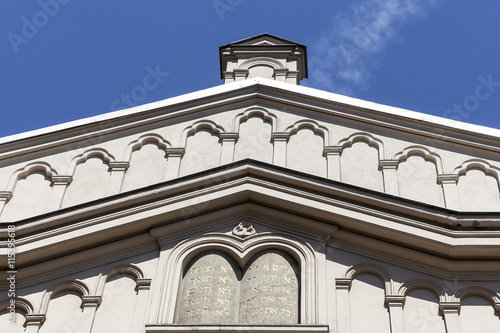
(270, 290)
(210, 291)
(215, 291)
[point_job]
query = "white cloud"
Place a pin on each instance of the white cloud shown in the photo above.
(349, 53)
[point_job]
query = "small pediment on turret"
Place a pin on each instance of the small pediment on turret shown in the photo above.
(266, 56)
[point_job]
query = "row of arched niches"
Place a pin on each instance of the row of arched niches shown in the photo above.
(360, 158)
(215, 290)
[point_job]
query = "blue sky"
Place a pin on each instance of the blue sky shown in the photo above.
(63, 60)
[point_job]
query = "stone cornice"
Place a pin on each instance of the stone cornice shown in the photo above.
(374, 214)
(314, 101)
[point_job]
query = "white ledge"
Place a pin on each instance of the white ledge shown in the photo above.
(236, 328)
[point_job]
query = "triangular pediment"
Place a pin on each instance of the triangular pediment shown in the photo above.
(262, 39)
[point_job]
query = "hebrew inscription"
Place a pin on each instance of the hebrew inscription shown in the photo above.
(208, 291)
(215, 291)
(270, 290)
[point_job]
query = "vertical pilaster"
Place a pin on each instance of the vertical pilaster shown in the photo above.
(280, 140)
(4, 198)
(59, 186)
(117, 173)
(449, 183)
(450, 312)
(342, 287)
(138, 324)
(174, 156)
(389, 172)
(228, 143)
(333, 161)
(90, 305)
(395, 304)
(33, 322)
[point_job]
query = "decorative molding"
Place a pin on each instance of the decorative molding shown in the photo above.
(141, 141)
(423, 152)
(62, 180)
(366, 138)
(244, 229)
(237, 328)
(343, 283)
(395, 300)
(311, 124)
(118, 166)
(143, 284)
(447, 178)
(35, 319)
(280, 136)
(265, 61)
(256, 111)
(91, 301)
(93, 152)
(67, 285)
(199, 125)
(175, 152)
(24, 172)
(241, 251)
(127, 269)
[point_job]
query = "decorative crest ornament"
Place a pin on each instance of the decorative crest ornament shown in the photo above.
(244, 229)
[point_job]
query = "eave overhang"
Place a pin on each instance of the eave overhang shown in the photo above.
(434, 236)
(256, 90)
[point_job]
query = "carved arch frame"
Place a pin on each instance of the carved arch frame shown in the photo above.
(311, 124)
(373, 269)
(242, 250)
(480, 291)
(486, 167)
(199, 125)
(27, 170)
(141, 141)
(71, 285)
(366, 138)
(93, 152)
(423, 152)
(126, 269)
(266, 115)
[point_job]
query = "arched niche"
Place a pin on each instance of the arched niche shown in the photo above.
(215, 290)
(243, 254)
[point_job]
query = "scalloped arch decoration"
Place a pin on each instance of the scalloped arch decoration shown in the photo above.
(421, 151)
(195, 127)
(367, 138)
(311, 124)
(479, 164)
(252, 112)
(141, 141)
(27, 170)
(99, 152)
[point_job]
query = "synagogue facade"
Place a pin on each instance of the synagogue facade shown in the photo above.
(255, 206)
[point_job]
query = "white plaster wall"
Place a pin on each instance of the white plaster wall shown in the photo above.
(305, 152)
(119, 293)
(478, 191)
(90, 182)
(366, 301)
(421, 312)
(417, 178)
(32, 197)
(254, 141)
(360, 166)
(478, 315)
(63, 314)
(147, 166)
